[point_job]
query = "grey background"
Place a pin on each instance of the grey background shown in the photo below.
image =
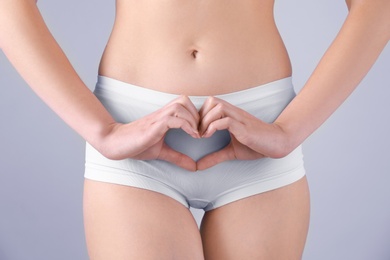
(347, 159)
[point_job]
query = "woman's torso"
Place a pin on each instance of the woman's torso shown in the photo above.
(195, 47)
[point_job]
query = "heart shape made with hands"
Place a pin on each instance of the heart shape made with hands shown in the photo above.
(225, 126)
(196, 148)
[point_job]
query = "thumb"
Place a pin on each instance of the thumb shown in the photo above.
(170, 155)
(225, 154)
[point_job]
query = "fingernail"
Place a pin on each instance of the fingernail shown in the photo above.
(196, 132)
(204, 133)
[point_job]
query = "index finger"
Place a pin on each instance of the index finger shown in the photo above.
(187, 103)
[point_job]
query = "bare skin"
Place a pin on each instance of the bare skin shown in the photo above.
(194, 48)
(237, 46)
(242, 230)
(129, 223)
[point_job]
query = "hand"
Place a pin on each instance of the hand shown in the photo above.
(143, 139)
(251, 138)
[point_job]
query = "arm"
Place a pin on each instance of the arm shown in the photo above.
(30, 47)
(28, 44)
(361, 39)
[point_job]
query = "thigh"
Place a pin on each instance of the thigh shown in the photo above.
(123, 222)
(271, 225)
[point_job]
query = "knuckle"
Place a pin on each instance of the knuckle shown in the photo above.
(229, 120)
(197, 116)
(211, 100)
(219, 107)
(183, 99)
(176, 113)
(176, 106)
(212, 126)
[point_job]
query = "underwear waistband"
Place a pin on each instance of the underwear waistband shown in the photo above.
(106, 85)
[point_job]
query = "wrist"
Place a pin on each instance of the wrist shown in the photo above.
(104, 141)
(287, 141)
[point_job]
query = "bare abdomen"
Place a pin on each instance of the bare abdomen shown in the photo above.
(195, 47)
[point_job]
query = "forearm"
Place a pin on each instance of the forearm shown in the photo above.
(363, 36)
(30, 47)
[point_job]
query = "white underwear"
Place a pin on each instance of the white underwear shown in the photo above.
(214, 187)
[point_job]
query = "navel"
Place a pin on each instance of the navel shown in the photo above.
(194, 53)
